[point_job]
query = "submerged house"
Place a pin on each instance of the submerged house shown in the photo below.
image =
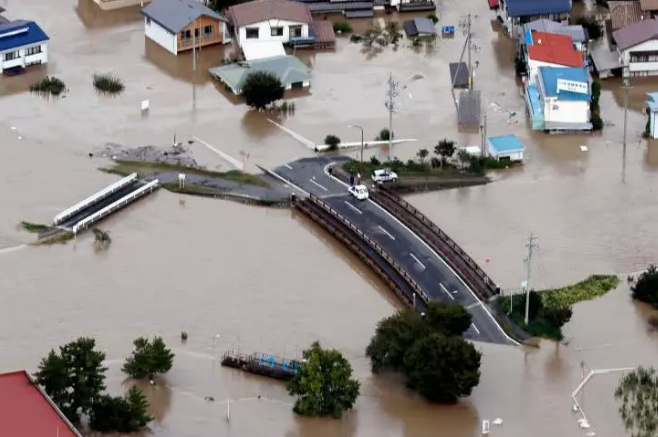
(637, 46)
(577, 33)
(22, 43)
(515, 13)
(505, 148)
(549, 50)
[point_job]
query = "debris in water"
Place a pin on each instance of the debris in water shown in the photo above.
(583, 148)
(498, 421)
(209, 399)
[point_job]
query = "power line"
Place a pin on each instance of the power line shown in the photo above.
(531, 247)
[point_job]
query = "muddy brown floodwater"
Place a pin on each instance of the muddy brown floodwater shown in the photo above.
(269, 280)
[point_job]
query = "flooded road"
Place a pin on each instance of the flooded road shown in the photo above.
(277, 282)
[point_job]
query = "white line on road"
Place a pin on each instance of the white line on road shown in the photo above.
(353, 207)
(323, 187)
(447, 292)
(476, 328)
(417, 260)
(473, 305)
(386, 232)
(287, 166)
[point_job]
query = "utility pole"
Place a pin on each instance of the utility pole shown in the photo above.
(194, 62)
(484, 136)
(468, 41)
(626, 86)
(391, 95)
(531, 246)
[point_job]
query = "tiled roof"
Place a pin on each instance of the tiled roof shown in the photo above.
(636, 33)
(324, 31)
(554, 49)
(33, 34)
(520, 8)
(550, 75)
(175, 15)
(263, 10)
(623, 13)
(649, 5)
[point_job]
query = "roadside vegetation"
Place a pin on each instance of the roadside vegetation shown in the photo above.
(384, 135)
(342, 27)
(332, 141)
(262, 88)
(595, 109)
(645, 289)
(34, 227)
(108, 83)
(429, 351)
(101, 238)
(48, 85)
(377, 37)
(432, 16)
(550, 310)
(637, 396)
(61, 238)
(324, 385)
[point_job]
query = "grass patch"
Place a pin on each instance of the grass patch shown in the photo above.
(48, 85)
(409, 169)
(34, 227)
(145, 169)
(55, 239)
(192, 189)
(590, 288)
(108, 83)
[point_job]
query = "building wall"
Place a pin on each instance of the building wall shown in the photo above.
(566, 111)
(22, 60)
(265, 31)
(640, 68)
(217, 36)
(160, 35)
(533, 69)
(513, 156)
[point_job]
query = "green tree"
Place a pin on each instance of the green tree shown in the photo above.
(592, 25)
(422, 154)
(637, 395)
(118, 414)
(442, 368)
(393, 337)
(447, 319)
(384, 135)
(646, 287)
(324, 385)
(148, 359)
(557, 316)
(332, 141)
(73, 378)
(445, 149)
(262, 88)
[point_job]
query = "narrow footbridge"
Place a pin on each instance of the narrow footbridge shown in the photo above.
(419, 261)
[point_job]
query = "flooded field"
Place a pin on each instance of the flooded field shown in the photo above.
(269, 280)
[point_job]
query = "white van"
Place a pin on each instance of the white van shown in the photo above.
(384, 175)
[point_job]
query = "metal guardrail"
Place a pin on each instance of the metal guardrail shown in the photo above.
(94, 198)
(383, 192)
(397, 267)
(109, 209)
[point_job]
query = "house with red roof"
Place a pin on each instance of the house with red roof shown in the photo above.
(27, 411)
(545, 49)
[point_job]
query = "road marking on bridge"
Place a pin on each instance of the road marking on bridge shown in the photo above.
(417, 260)
(321, 186)
(353, 207)
(473, 305)
(447, 292)
(476, 328)
(386, 232)
(287, 166)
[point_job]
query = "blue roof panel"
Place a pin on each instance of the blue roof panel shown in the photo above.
(550, 75)
(506, 144)
(521, 8)
(33, 35)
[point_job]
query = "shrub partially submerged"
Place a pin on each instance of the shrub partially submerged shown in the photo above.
(49, 85)
(108, 83)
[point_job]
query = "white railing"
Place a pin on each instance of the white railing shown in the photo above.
(94, 198)
(109, 209)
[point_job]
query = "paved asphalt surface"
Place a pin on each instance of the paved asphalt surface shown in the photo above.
(423, 265)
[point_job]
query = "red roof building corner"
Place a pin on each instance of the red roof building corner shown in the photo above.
(554, 49)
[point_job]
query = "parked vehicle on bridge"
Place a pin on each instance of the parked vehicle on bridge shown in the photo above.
(384, 175)
(359, 191)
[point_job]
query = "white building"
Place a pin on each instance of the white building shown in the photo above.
(544, 49)
(22, 43)
(505, 148)
(637, 45)
(271, 20)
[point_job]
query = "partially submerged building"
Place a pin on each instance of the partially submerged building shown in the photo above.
(515, 13)
(22, 43)
(577, 33)
(505, 148)
(544, 49)
(637, 45)
(420, 26)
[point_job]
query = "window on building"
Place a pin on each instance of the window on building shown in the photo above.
(32, 50)
(148, 21)
(295, 31)
(196, 32)
(186, 34)
(11, 56)
(207, 30)
(252, 32)
(277, 31)
(648, 56)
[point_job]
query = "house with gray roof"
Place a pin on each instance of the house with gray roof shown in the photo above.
(637, 46)
(577, 33)
(293, 73)
(179, 25)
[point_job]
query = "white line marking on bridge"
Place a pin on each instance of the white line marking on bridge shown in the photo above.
(323, 187)
(353, 207)
(417, 260)
(287, 166)
(476, 328)
(473, 305)
(386, 232)
(447, 292)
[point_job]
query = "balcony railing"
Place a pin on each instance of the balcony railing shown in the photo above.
(201, 40)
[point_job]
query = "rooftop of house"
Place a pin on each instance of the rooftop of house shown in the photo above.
(576, 32)
(553, 49)
(636, 33)
(20, 33)
(506, 144)
(419, 26)
(521, 8)
(27, 411)
(175, 15)
(649, 5)
(623, 13)
(263, 10)
(549, 77)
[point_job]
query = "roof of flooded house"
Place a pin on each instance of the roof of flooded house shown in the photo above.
(636, 33)
(19, 33)
(175, 15)
(419, 26)
(27, 411)
(646, 5)
(549, 77)
(520, 8)
(623, 13)
(288, 68)
(576, 32)
(553, 49)
(506, 144)
(264, 10)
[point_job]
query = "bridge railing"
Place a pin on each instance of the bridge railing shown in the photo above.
(382, 194)
(380, 251)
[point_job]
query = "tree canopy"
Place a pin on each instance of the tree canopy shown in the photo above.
(428, 350)
(637, 395)
(646, 287)
(74, 378)
(148, 359)
(445, 148)
(324, 385)
(262, 88)
(118, 414)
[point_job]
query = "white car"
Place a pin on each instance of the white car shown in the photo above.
(384, 175)
(359, 191)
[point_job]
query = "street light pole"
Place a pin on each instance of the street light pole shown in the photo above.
(391, 94)
(626, 86)
(361, 163)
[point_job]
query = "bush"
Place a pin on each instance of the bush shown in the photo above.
(592, 26)
(342, 27)
(384, 135)
(262, 88)
(356, 38)
(590, 288)
(520, 67)
(597, 122)
(117, 414)
(332, 141)
(374, 161)
(108, 83)
(646, 287)
(148, 359)
(49, 85)
(638, 395)
(433, 17)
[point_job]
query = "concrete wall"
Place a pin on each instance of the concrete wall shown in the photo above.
(265, 31)
(566, 111)
(640, 68)
(160, 35)
(22, 60)
(533, 69)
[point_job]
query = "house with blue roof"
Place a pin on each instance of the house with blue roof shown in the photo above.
(514, 13)
(22, 43)
(505, 148)
(560, 99)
